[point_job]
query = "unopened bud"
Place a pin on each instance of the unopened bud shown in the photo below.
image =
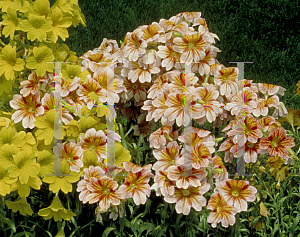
(219, 139)
(218, 170)
(168, 137)
(200, 102)
(69, 107)
(177, 34)
(278, 184)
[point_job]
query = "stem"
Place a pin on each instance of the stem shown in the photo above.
(122, 136)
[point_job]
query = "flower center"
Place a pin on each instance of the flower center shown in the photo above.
(191, 45)
(250, 144)
(31, 110)
(72, 76)
(186, 193)
(218, 209)
(13, 62)
(235, 193)
(92, 147)
(132, 186)
(274, 143)
(106, 191)
(134, 86)
(174, 54)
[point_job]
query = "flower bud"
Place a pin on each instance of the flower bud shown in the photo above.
(278, 184)
(218, 170)
(177, 34)
(219, 139)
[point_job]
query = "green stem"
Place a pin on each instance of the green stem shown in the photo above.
(122, 136)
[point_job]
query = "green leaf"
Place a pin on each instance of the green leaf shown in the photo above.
(9, 223)
(107, 231)
(146, 226)
(256, 219)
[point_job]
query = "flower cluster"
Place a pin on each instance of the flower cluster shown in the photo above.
(148, 73)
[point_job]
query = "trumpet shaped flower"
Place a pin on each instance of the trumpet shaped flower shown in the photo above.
(237, 193)
(9, 63)
(56, 210)
(221, 211)
(277, 143)
(103, 190)
(187, 198)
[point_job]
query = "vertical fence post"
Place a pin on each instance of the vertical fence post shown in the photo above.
(57, 121)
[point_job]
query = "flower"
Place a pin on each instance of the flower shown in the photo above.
(143, 127)
(32, 85)
(23, 166)
(92, 171)
(151, 32)
(90, 85)
(6, 154)
(157, 138)
(140, 71)
(136, 186)
(226, 78)
(247, 130)
(41, 55)
(27, 108)
(200, 156)
(178, 79)
(218, 164)
(136, 90)
(110, 85)
(187, 198)
(169, 56)
(48, 103)
(94, 140)
(269, 89)
(64, 182)
(208, 97)
(158, 87)
(45, 159)
(60, 24)
(5, 181)
(164, 184)
(277, 143)
(103, 190)
(250, 152)
(9, 64)
(221, 211)
(72, 154)
(11, 23)
(160, 103)
(56, 210)
(237, 193)
(166, 156)
(20, 205)
(176, 110)
(135, 46)
(36, 27)
(74, 73)
(190, 16)
(45, 125)
(185, 178)
(191, 47)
